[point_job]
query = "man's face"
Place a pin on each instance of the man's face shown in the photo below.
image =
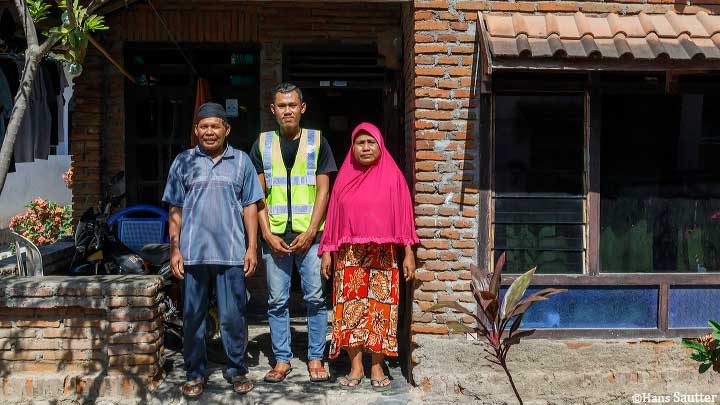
(211, 133)
(288, 109)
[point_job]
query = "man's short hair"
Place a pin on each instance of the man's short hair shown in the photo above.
(286, 88)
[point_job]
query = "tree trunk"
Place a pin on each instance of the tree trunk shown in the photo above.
(32, 60)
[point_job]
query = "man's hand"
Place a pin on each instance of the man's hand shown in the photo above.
(409, 264)
(277, 245)
(250, 261)
(176, 263)
(326, 265)
(302, 242)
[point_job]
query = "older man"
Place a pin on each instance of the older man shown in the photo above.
(212, 190)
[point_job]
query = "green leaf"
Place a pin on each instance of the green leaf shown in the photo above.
(457, 327)
(516, 290)
(714, 325)
(704, 367)
(698, 356)
(693, 345)
(76, 38)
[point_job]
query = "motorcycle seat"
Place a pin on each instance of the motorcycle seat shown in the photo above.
(156, 254)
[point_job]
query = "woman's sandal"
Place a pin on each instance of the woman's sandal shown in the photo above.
(318, 371)
(378, 384)
(241, 384)
(350, 382)
(193, 388)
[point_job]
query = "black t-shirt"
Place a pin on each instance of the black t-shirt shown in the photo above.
(289, 149)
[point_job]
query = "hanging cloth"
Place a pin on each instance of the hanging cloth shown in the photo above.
(202, 96)
(33, 138)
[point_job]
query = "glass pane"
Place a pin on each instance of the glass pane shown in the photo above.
(147, 156)
(147, 118)
(539, 143)
(547, 262)
(660, 207)
(692, 307)
(594, 308)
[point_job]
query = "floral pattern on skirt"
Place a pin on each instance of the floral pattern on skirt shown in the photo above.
(365, 296)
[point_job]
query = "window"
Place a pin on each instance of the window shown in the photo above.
(660, 189)
(538, 198)
(611, 187)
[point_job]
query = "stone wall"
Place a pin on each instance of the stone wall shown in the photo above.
(452, 369)
(81, 337)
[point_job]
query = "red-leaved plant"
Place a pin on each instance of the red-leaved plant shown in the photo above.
(495, 317)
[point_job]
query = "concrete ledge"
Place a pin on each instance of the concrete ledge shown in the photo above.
(451, 368)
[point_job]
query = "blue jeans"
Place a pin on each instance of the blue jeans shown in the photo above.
(279, 271)
(231, 302)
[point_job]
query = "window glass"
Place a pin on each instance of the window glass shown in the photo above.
(660, 189)
(538, 199)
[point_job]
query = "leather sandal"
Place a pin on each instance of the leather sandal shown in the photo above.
(318, 371)
(276, 376)
(241, 384)
(193, 388)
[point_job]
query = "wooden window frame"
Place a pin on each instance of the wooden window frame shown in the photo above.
(591, 86)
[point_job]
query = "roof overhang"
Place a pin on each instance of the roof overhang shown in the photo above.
(583, 42)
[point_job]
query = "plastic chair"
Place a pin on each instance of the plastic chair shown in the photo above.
(31, 263)
(139, 225)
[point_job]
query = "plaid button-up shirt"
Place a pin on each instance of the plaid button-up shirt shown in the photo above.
(212, 196)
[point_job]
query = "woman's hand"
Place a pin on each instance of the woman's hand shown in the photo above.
(409, 263)
(326, 265)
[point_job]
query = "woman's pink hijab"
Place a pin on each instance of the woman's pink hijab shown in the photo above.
(369, 204)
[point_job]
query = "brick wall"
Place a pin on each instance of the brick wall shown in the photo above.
(446, 156)
(79, 337)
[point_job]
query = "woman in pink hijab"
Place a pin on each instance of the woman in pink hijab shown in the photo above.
(369, 218)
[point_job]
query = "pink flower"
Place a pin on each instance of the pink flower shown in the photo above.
(41, 239)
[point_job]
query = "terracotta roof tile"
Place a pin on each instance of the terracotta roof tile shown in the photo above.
(668, 36)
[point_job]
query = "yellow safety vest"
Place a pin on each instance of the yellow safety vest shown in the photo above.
(303, 185)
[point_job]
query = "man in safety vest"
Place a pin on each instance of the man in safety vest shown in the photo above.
(294, 166)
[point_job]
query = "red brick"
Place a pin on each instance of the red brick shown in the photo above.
(35, 344)
(448, 256)
(81, 344)
(425, 176)
(435, 266)
(134, 337)
(424, 38)
(431, 4)
(553, 6)
(424, 15)
(461, 287)
(422, 124)
(435, 244)
(449, 234)
(505, 6)
(600, 8)
(434, 71)
(425, 275)
(422, 317)
(447, 105)
(423, 296)
(448, 16)
(448, 211)
(434, 115)
(434, 135)
(425, 82)
(462, 223)
(430, 329)
(424, 60)
(20, 355)
(447, 276)
(431, 25)
(64, 355)
(425, 166)
(448, 84)
(83, 323)
(71, 333)
(459, 26)
(453, 37)
(424, 210)
(430, 48)
(437, 93)
(424, 254)
(424, 155)
(429, 199)
(460, 71)
(471, 5)
(132, 360)
(37, 323)
(424, 145)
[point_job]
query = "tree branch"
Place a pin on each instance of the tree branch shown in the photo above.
(27, 22)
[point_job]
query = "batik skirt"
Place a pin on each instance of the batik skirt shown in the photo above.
(365, 296)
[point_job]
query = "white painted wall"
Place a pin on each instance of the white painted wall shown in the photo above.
(41, 178)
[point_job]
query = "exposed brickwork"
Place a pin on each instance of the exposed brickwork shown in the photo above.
(446, 155)
(74, 337)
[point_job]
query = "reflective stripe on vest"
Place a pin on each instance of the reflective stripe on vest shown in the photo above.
(302, 181)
